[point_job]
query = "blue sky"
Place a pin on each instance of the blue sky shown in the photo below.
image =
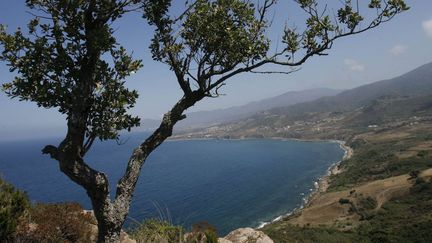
(393, 49)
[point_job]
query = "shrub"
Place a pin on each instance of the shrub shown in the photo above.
(414, 174)
(154, 230)
(202, 232)
(64, 222)
(368, 203)
(422, 153)
(421, 185)
(13, 204)
(419, 181)
(344, 201)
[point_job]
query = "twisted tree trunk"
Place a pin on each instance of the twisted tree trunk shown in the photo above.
(111, 214)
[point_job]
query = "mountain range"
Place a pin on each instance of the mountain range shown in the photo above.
(202, 119)
(392, 102)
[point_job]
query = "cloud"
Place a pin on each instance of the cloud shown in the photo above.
(398, 50)
(427, 27)
(354, 65)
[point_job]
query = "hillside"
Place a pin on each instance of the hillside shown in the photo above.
(207, 118)
(388, 103)
(201, 119)
(381, 194)
(414, 83)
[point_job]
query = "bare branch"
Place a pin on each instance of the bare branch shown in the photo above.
(276, 72)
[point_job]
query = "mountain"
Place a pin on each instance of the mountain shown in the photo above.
(202, 119)
(415, 83)
(209, 118)
(406, 99)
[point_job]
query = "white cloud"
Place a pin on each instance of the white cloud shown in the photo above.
(354, 65)
(398, 50)
(427, 27)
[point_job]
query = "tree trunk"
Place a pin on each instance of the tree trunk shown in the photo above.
(109, 224)
(109, 214)
(108, 233)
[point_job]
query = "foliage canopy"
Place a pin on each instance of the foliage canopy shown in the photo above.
(58, 63)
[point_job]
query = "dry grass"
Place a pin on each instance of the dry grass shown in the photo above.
(325, 208)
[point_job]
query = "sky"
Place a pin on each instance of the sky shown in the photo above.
(392, 49)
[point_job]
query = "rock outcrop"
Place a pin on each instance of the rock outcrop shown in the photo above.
(246, 235)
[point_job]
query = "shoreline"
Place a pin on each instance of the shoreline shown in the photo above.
(321, 185)
(323, 182)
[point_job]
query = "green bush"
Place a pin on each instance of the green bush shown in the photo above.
(13, 204)
(421, 185)
(344, 201)
(368, 203)
(423, 153)
(154, 230)
(414, 174)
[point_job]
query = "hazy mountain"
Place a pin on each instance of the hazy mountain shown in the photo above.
(388, 109)
(403, 100)
(208, 118)
(415, 83)
(411, 92)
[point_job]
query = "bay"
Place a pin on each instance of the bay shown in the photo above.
(227, 183)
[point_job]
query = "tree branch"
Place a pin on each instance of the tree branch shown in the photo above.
(126, 184)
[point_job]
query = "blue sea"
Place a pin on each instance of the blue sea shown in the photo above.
(227, 183)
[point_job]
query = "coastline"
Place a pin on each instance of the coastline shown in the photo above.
(321, 185)
(334, 169)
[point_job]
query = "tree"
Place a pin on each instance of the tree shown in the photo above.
(61, 63)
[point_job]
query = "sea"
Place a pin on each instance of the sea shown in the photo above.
(226, 183)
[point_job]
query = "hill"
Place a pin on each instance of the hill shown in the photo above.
(202, 119)
(412, 84)
(214, 117)
(388, 103)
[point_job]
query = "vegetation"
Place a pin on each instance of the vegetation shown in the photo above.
(365, 207)
(22, 222)
(406, 219)
(344, 201)
(202, 232)
(13, 205)
(379, 154)
(378, 160)
(415, 173)
(284, 232)
(64, 222)
(63, 63)
(368, 203)
(154, 230)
